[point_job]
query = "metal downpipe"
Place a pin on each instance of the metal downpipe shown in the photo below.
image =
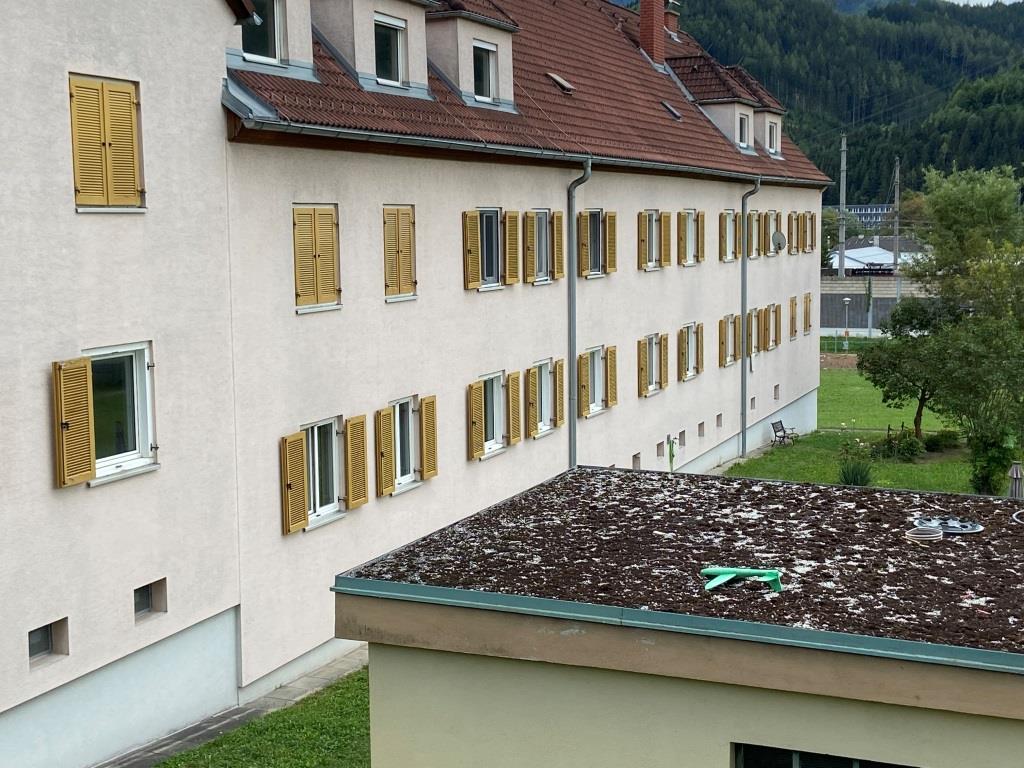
(571, 271)
(744, 320)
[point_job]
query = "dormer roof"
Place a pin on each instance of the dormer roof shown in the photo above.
(483, 11)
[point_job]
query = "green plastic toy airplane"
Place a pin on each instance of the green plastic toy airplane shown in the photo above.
(723, 575)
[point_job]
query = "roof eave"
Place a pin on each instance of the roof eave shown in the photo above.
(478, 18)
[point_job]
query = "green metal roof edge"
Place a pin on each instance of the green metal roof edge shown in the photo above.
(733, 629)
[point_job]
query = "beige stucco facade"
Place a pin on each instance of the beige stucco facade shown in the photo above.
(432, 709)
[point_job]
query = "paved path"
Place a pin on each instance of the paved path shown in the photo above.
(209, 729)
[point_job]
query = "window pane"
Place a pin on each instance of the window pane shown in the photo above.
(596, 379)
(482, 72)
(490, 405)
(595, 241)
(386, 42)
(652, 360)
(144, 598)
(261, 40)
(113, 405)
(544, 394)
(405, 438)
(489, 245)
(691, 236)
(652, 237)
(39, 641)
(543, 235)
(325, 465)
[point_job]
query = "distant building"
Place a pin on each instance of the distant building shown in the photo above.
(875, 253)
(870, 216)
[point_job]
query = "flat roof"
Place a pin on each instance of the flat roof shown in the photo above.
(637, 540)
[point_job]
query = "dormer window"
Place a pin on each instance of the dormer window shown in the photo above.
(389, 49)
(744, 135)
(262, 42)
(773, 138)
(485, 70)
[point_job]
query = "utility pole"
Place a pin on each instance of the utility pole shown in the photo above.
(842, 206)
(896, 234)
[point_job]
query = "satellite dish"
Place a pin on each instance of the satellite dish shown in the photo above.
(778, 241)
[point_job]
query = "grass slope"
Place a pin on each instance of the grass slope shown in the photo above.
(329, 729)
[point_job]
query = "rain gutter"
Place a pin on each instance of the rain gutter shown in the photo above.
(732, 629)
(304, 129)
(572, 270)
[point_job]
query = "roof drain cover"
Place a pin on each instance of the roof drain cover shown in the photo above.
(949, 524)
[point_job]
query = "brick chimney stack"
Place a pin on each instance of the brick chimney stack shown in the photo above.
(672, 16)
(652, 29)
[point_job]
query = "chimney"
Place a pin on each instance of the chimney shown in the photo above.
(652, 29)
(672, 16)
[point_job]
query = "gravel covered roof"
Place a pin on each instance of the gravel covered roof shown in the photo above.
(639, 540)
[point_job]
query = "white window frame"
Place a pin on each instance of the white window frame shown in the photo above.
(499, 237)
(730, 235)
(545, 395)
(142, 361)
(755, 236)
(774, 311)
(691, 349)
(773, 137)
(731, 353)
(314, 511)
(599, 251)
(653, 259)
(543, 233)
(400, 25)
(770, 246)
(278, 22)
(494, 383)
(596, 359)
(653, 342)
(413, 438)
(492, 70)
(743, 131)
(691, 236)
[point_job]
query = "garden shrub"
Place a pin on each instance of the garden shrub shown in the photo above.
(991, 458)
(900, 445)
(855, 463)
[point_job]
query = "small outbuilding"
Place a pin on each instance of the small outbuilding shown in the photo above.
(570, 626)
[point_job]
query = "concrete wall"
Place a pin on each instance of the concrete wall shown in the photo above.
(446, 710)
(143, 696)
(75, 281)
(293, 370)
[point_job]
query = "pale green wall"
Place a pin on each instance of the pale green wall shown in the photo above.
(444, 710)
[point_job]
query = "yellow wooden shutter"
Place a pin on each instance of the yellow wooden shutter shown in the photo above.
(611, 240)
(723, 343)
(304, 241)
(778, 325)
(558, 243)
(532, 396)
(814, 231)
(700, 236)
(737, 235)
(641, 240)
(513, 396)
(663, 362)
(559, 392)
(792, 317)
(583, 251)
(778, 227)
(74, 439)
(583, 384)
(791, 233)
(294, 490)
(384, 437)
(87, 148)
(511, 247)
(751, 227)
(122, 136)
(530, 247)
(666, 239)
(682, 246)
(406, 251)
(471, 249)
(700, 347)
(641, 368)
(682, 354)
(428, 437)
(357, 480)
(723, 223)
(611, 377)
(327, 289)
(808, 323)
(475, 418)
(391, 282)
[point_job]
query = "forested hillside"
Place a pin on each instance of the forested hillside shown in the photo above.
(937, 83)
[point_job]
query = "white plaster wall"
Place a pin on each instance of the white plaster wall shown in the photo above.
(725, 117)
(144, 696)
(443, 47)
(74, 281)
(293, 370)
(453, 710)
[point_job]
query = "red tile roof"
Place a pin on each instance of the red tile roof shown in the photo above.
(752, 84)
(482, 9)
(708, 80)
(615, 111)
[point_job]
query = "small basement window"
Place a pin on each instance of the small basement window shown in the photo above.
(150, 598)
(485, 70)
(48, 640)
(750, 756)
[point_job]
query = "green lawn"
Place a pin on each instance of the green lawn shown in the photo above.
(834, 344)
(847, 398)
(329, 729)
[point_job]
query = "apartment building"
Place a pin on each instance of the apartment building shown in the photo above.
(306, 297)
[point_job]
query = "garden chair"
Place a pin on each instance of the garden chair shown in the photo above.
(781, 435)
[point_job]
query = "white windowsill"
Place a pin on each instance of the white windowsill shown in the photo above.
(652, 267)
(110, 209)
(490, 454)
(652, 392)
(595, 275)
(688, 376)
(145, 617)
(262, 60)
(492, 287)
(549, 430)
(405, 487)
(396, 299)
(596, 412)
(123, 474)
(327, 519)
(316, 308)
(391, 83)
(543, 281)
(693, 263)
(45, 660)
